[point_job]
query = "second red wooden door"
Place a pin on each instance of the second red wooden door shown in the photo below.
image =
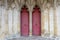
(36, 22)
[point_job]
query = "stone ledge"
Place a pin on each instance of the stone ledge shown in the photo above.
(18, 37)
(34, 38)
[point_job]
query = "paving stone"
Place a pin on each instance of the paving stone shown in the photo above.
(34, 38)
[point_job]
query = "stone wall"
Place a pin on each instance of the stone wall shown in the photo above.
(10, 17)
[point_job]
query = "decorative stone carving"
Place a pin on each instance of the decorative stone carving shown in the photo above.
(58, 2)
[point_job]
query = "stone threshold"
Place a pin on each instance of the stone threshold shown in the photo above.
(31, 38)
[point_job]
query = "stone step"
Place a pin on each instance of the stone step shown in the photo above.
(35, 38)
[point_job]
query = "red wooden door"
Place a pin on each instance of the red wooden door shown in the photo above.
(24, 22)
(36, 22)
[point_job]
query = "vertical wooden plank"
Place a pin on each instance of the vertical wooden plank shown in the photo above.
(24, 22)
(36, 22)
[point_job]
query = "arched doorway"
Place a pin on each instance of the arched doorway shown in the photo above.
(36, 21)
(24, 21)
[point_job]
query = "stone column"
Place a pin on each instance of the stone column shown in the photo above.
(30, 20)
(19, 21)
(30, 4)
(0, 20)
(10, 21)
(55, 20)
(42, 23)
(6, 22)
(51, 14)
(0, 17)
(55, 23)
(44, 19)
(3, 27)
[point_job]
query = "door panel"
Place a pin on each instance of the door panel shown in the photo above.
(36, 21)
(24, 22)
